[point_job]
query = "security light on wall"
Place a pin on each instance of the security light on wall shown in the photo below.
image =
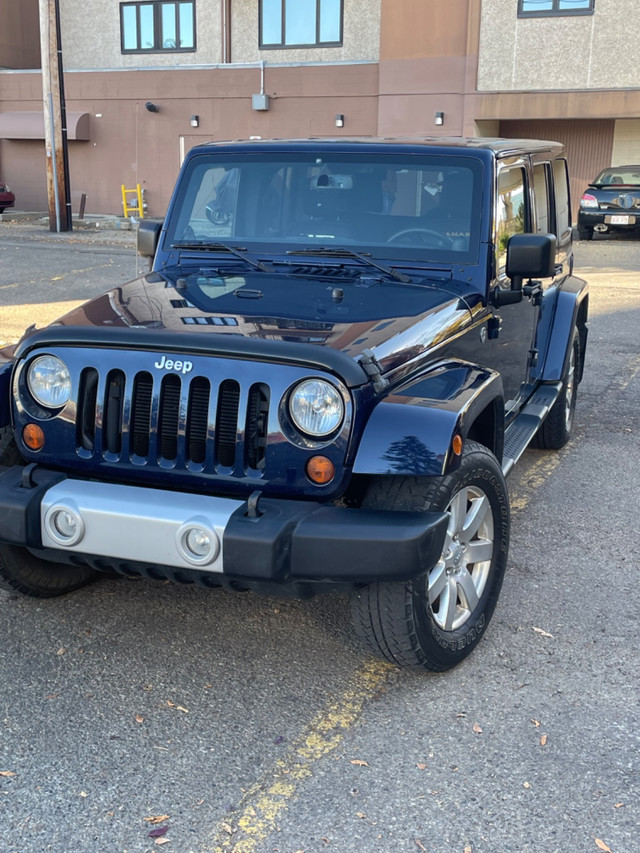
(438, 119)
(151, 107)
(339, 120)
(195, 121)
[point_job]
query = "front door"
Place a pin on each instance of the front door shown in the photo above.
(509, 353)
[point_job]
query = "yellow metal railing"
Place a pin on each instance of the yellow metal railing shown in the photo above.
(133, 206)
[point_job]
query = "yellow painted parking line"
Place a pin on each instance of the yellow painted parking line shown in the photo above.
(634, 370)
(262, 804)
(534, 477)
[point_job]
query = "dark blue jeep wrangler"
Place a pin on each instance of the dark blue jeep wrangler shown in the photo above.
(341, 349)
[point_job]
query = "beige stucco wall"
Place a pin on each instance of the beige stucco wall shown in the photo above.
(626, 142)
(361, 37)
(91, 37)
(565, 52)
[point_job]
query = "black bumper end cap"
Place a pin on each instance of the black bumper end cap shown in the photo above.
(20, 498)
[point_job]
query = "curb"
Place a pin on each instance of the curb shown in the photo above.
(88, 223)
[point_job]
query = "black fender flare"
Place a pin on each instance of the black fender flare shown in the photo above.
(410, 431)
(570, 309)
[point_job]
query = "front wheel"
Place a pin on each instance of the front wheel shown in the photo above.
(436, 620)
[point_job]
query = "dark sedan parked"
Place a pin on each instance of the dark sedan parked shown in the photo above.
(7, 198)
(611, 202)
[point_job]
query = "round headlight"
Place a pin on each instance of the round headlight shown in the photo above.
(49, 381)
(316, 407)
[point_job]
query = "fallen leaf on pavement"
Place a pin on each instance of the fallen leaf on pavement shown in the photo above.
(420, 844)
(139, 718)
(467, 849)
(159, 832)
(7, 773)
(178, 707)
(359, 762)
(477, 729)
(600, 843)
(526, 785)
(618, 805)
(536, 723)
(543, 740)
(543, 633)
(156, 818)
(421, 766)
(227, 828)
(162, 840)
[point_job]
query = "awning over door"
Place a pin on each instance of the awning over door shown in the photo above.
(30, 125)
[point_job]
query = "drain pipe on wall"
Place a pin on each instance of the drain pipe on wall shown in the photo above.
(226, 31)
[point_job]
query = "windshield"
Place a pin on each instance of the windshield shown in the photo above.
(627, 176)
(414, 207)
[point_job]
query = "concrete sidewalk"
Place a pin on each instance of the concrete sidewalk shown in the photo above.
(92, 229)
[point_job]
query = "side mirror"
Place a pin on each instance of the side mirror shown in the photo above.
(530, 256)
(148, 236)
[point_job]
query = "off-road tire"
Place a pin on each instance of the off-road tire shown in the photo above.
(396, 621)
(21, 571)
(557, 427)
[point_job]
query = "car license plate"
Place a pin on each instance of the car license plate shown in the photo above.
(620, 220)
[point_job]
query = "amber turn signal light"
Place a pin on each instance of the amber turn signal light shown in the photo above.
(320, 470)
(33, 437)
(456, 445)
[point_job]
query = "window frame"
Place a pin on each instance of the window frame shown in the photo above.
(555, 12)
(157, 27)
(282, 45)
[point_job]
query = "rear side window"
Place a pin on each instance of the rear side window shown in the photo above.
(563, 207)
(542, 194)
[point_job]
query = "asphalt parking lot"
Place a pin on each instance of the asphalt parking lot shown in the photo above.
(245, 724)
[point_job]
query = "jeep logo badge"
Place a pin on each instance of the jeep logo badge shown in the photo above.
(174, 364)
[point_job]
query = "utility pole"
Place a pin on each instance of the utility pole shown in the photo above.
(55, 126)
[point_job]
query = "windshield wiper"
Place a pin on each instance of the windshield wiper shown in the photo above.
(238, 251)
(349, 253)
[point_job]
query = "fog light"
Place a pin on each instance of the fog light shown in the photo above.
(197, 543)
(64, 524)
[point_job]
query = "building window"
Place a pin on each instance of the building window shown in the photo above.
(545, 8)
(300, 23)
(157, 26)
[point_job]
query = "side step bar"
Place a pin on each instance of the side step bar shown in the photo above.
(519, 433)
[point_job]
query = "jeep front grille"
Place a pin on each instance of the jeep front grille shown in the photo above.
(173, 420)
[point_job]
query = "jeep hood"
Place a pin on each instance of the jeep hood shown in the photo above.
(350, 314)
